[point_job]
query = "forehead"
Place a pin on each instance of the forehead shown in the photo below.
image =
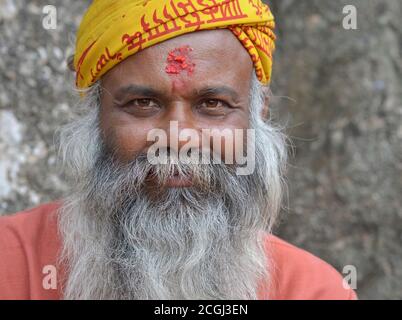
(217, 55)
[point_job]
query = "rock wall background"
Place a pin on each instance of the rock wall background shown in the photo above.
(338, 93)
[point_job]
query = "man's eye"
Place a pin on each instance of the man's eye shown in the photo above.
(214, 105)
(143, 107)
(144, 103)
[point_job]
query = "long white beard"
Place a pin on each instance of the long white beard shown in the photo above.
(121, 241)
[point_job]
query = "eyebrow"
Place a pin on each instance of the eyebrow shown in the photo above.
(136, 89)
(146, 91)
(214, 91)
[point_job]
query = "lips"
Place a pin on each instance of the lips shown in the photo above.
(174, 181)
(177, 181)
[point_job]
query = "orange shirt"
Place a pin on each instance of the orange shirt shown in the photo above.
(29, 242)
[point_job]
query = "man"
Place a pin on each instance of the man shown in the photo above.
(131, 228)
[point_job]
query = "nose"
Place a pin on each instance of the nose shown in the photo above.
(181, 128)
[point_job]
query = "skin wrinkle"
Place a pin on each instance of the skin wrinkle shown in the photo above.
(123, 240)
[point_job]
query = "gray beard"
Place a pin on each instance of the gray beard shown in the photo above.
(178, 243)
(123, 239)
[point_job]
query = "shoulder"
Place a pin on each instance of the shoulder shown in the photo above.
(298, 274)
(28, 242)
(27, 225)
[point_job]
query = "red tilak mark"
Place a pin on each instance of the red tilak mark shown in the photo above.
(179, 60)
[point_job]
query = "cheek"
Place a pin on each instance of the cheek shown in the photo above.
(128, 139)
(228, 143)
(230, 136)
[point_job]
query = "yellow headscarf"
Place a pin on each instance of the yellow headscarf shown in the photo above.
(112, 30)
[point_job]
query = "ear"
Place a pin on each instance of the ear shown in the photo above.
(265, 108)
(70, 62)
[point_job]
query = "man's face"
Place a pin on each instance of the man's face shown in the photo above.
(199, 241)
(142, 93)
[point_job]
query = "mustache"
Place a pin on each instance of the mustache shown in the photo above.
(112, 181)
(139, 172)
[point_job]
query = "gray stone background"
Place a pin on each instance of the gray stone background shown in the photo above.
(338, 93)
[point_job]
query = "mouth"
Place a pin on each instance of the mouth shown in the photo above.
(174, 181)
(177, 181)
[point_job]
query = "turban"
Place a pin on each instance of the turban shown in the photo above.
(112, 30)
